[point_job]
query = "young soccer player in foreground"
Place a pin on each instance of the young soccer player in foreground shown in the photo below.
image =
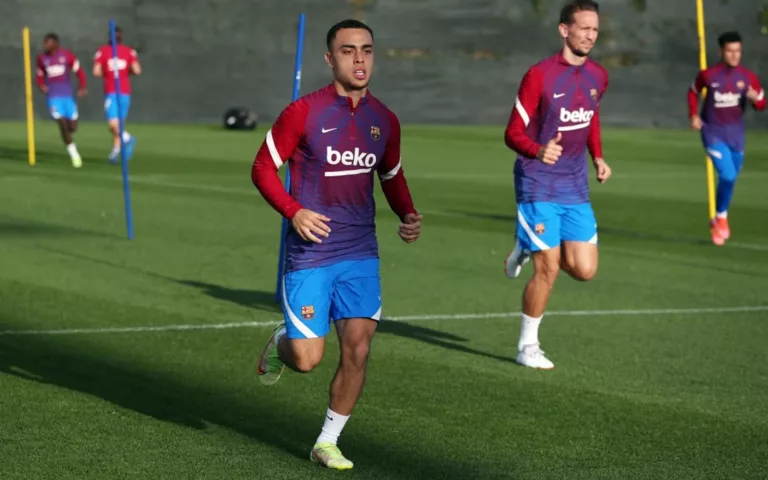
(334, 140)
(553, 123)
(730, 88)
(127, 65)
(55, 67)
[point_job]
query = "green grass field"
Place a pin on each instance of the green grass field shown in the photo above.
(124, 367)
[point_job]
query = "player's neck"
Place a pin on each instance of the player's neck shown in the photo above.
(354, 95)
(572, 58)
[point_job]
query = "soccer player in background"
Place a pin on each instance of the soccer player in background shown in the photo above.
(554, 122)
(55, 67)
(333, 140)
(127, 65)
(730, 88)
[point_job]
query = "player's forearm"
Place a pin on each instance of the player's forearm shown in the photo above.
(693, 103)
(520, 142)
(81, 78)
(265, 179)
(398, 195)
(595, 142)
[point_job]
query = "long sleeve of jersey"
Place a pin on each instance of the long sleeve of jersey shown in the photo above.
(277, 149)
(75, 65)
(595, 141)
(526, 106)
(760, 103)
(693, 94)
(40, 72)
(392, 177)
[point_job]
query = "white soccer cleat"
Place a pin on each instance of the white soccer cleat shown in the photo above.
(77, 162)
(515, 261)
(270, 367)
(533, 356)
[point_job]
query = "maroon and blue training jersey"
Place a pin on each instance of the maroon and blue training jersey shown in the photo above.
(55, 70)
(722, 112)
(333, 151)
(556, 97)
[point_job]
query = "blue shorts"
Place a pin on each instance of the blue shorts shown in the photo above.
(727, 162)
(314, 296)
(62, 107)
(110, 106)
(544, 225)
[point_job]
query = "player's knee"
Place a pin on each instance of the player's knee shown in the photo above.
(73, 126)
(356, 353)
(728, 176)
(585, 272)
(305, 363)
(306, 359)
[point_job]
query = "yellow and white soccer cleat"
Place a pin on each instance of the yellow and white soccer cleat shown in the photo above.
(328, 454)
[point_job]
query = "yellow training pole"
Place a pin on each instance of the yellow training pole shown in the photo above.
(28, 93)
(703, 66)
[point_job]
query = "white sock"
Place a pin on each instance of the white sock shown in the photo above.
(334, 424)
(529, 331)
(72, 150)
(126, 136)
(722, 214)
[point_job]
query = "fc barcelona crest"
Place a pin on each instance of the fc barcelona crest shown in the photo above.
(593, 93)
(740, 85)
(375, 133)
(539, 228)
(308, 312)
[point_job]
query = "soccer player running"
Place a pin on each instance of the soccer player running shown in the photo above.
(333, 140)
(730, 88)
(127, 65)
(553, 123)
(55, 67)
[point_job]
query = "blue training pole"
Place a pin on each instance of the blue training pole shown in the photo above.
(123, 161)
(296, 90)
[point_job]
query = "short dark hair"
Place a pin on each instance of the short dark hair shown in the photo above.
(118, 35)
(571, 8)
(349, 23)
(728, 37)
(51, 36)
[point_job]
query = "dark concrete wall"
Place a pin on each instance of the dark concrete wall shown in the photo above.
(446, 61)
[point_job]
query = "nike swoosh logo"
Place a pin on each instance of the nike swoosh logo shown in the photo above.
(715, 85)
(329, 129)
(558, 95)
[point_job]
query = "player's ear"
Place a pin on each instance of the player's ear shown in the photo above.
(563, 30)
(329, 59)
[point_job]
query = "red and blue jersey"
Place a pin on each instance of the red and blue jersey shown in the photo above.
(333, 150)
(556, 97)
(722, 112)
(55, 71)
(126, 56)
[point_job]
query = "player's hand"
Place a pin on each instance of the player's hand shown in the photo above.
(311, 225)
(603, 170)
(752, 94)
(81, 92)
(410, 228)
(43, 88)
(550, 153)
(696, 123)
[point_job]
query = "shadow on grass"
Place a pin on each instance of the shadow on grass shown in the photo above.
(78, 367)
(10, 227)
